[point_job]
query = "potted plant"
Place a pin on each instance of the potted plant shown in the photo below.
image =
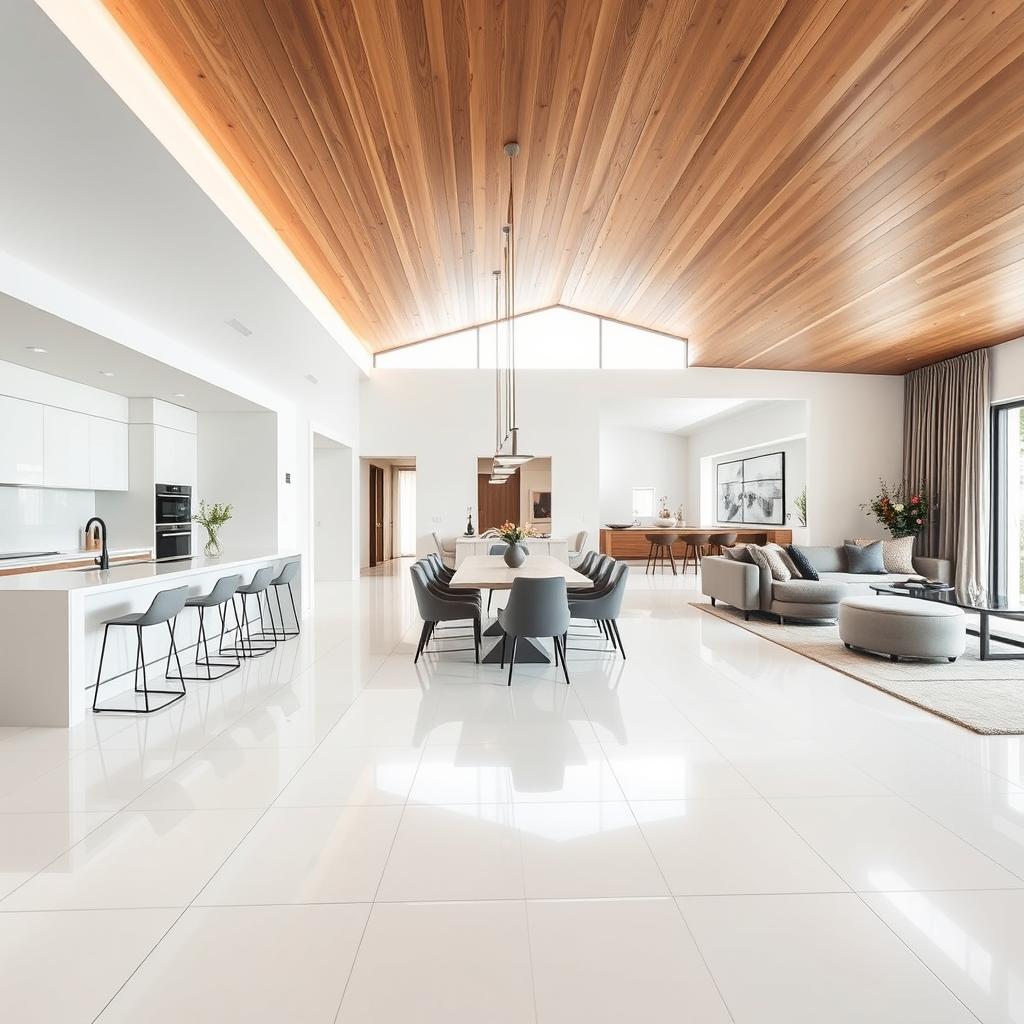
(799, 513)
(665, 517)
(902, 511)
(513, 536)
(212, 518)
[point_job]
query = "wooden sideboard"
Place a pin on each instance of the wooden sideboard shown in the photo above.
(632, 543)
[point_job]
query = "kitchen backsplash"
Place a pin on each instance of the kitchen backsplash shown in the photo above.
(43, 519)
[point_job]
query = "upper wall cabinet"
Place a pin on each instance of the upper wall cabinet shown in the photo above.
(65, 448)
(108, 455)
(21, 448)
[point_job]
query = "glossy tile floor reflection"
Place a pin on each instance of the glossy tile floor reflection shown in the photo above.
(714, 830)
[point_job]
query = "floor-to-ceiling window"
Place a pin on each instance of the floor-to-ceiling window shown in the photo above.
(1008, 503)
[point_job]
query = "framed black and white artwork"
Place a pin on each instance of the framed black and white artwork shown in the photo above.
(752, 491)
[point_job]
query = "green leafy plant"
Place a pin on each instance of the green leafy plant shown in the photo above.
(800, 504)
(212, 518)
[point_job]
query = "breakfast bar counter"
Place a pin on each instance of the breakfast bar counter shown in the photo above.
(51, 628)
(632, 542)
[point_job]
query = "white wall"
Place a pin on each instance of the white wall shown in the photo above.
(332, 513)
(764, 428)
(641, 458)
(854, 427)
(1007, 368)
(237, 464)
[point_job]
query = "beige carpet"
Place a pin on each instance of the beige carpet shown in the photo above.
(984, 696)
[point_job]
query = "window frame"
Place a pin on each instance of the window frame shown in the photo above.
(998, 449)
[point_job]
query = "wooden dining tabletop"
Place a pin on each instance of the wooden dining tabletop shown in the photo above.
(489, 572)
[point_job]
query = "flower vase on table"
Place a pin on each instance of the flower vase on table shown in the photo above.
(513, 536)
(212, 548)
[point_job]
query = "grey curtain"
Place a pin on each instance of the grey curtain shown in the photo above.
(945, 449)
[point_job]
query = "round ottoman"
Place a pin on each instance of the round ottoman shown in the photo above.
(907, 627)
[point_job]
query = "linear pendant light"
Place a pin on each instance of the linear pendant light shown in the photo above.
(507, 427)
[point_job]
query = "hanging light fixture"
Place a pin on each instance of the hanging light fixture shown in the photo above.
(506, 451)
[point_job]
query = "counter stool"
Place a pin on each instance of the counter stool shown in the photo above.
(252, 645)
(721, 540)
(695, 545)
(660, 543)
(284, 579)
(164, 608)
(222, 594)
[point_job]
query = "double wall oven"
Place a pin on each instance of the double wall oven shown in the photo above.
(173, 521)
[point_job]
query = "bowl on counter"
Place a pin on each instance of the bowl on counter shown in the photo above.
(619, 526)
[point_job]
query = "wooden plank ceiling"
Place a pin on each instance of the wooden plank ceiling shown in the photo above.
(798, 184)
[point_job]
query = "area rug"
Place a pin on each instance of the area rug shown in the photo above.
(984, 696)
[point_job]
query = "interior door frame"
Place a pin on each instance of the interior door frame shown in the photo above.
(375, 491)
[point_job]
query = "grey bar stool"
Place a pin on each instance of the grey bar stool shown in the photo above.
(222, 594)
(164, 607)
(252, 645)
(284, 579)
(660, 544)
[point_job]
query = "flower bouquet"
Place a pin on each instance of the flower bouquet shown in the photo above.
(514, 535)
(903, 512)
(212, 518)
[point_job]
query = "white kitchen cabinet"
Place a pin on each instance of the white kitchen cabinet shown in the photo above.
(65, 448)
(108, 454)
(21, 441)
(174, 456)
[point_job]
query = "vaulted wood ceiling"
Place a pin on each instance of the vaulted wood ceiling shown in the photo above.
(799, 184)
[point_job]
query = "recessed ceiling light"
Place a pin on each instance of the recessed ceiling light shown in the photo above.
(237, 325)
(180, 394)
(37, 349)
(106, 373)
(311, 379)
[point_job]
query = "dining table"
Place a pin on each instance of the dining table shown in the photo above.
(489, 572)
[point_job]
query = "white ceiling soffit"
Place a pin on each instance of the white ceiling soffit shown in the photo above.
(96, 200)
(80, 355)
(671, 415)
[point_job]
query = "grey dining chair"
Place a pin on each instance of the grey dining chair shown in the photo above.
(604, 607)
(165, 607)
(576, 545)
(434, 607)
(536, 608)
(586, 562)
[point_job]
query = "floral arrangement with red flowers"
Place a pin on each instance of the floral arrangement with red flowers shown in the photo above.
(902, 511)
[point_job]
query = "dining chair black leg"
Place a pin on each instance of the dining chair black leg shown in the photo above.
(555, 640)
(476, 639)
(512, 660)
(490, 597)
(502, 650)
(565, 668)
(611, 635)
(422, 643)
(615, 628)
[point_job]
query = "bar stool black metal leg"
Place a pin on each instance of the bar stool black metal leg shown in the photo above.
(99, 671)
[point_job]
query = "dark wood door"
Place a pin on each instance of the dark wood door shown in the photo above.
(376, 515)
(497, 503)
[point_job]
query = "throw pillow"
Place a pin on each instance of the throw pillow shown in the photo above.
(898, 555)
(739, 553)
(865, 561)
(802, 563)
(783, 554)
(769, 560)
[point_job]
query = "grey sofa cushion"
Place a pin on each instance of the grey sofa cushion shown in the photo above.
(866, 560)
(768, 559)
(810, 592)
(738, 553)
(825, 558)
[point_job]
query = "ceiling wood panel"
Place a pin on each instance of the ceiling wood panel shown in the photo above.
(790, 184)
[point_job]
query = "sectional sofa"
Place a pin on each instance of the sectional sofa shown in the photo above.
(752, 589)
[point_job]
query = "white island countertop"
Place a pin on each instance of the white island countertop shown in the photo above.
(132, 574)
(52, 628)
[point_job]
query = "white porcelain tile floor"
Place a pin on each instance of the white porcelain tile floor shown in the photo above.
(714, 830)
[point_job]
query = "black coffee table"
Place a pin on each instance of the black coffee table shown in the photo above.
(985, 607)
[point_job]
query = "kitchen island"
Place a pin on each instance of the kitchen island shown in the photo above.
(632, 543)
(51, 628)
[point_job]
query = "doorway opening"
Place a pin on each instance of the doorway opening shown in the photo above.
(332, 507)
(388, 510)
